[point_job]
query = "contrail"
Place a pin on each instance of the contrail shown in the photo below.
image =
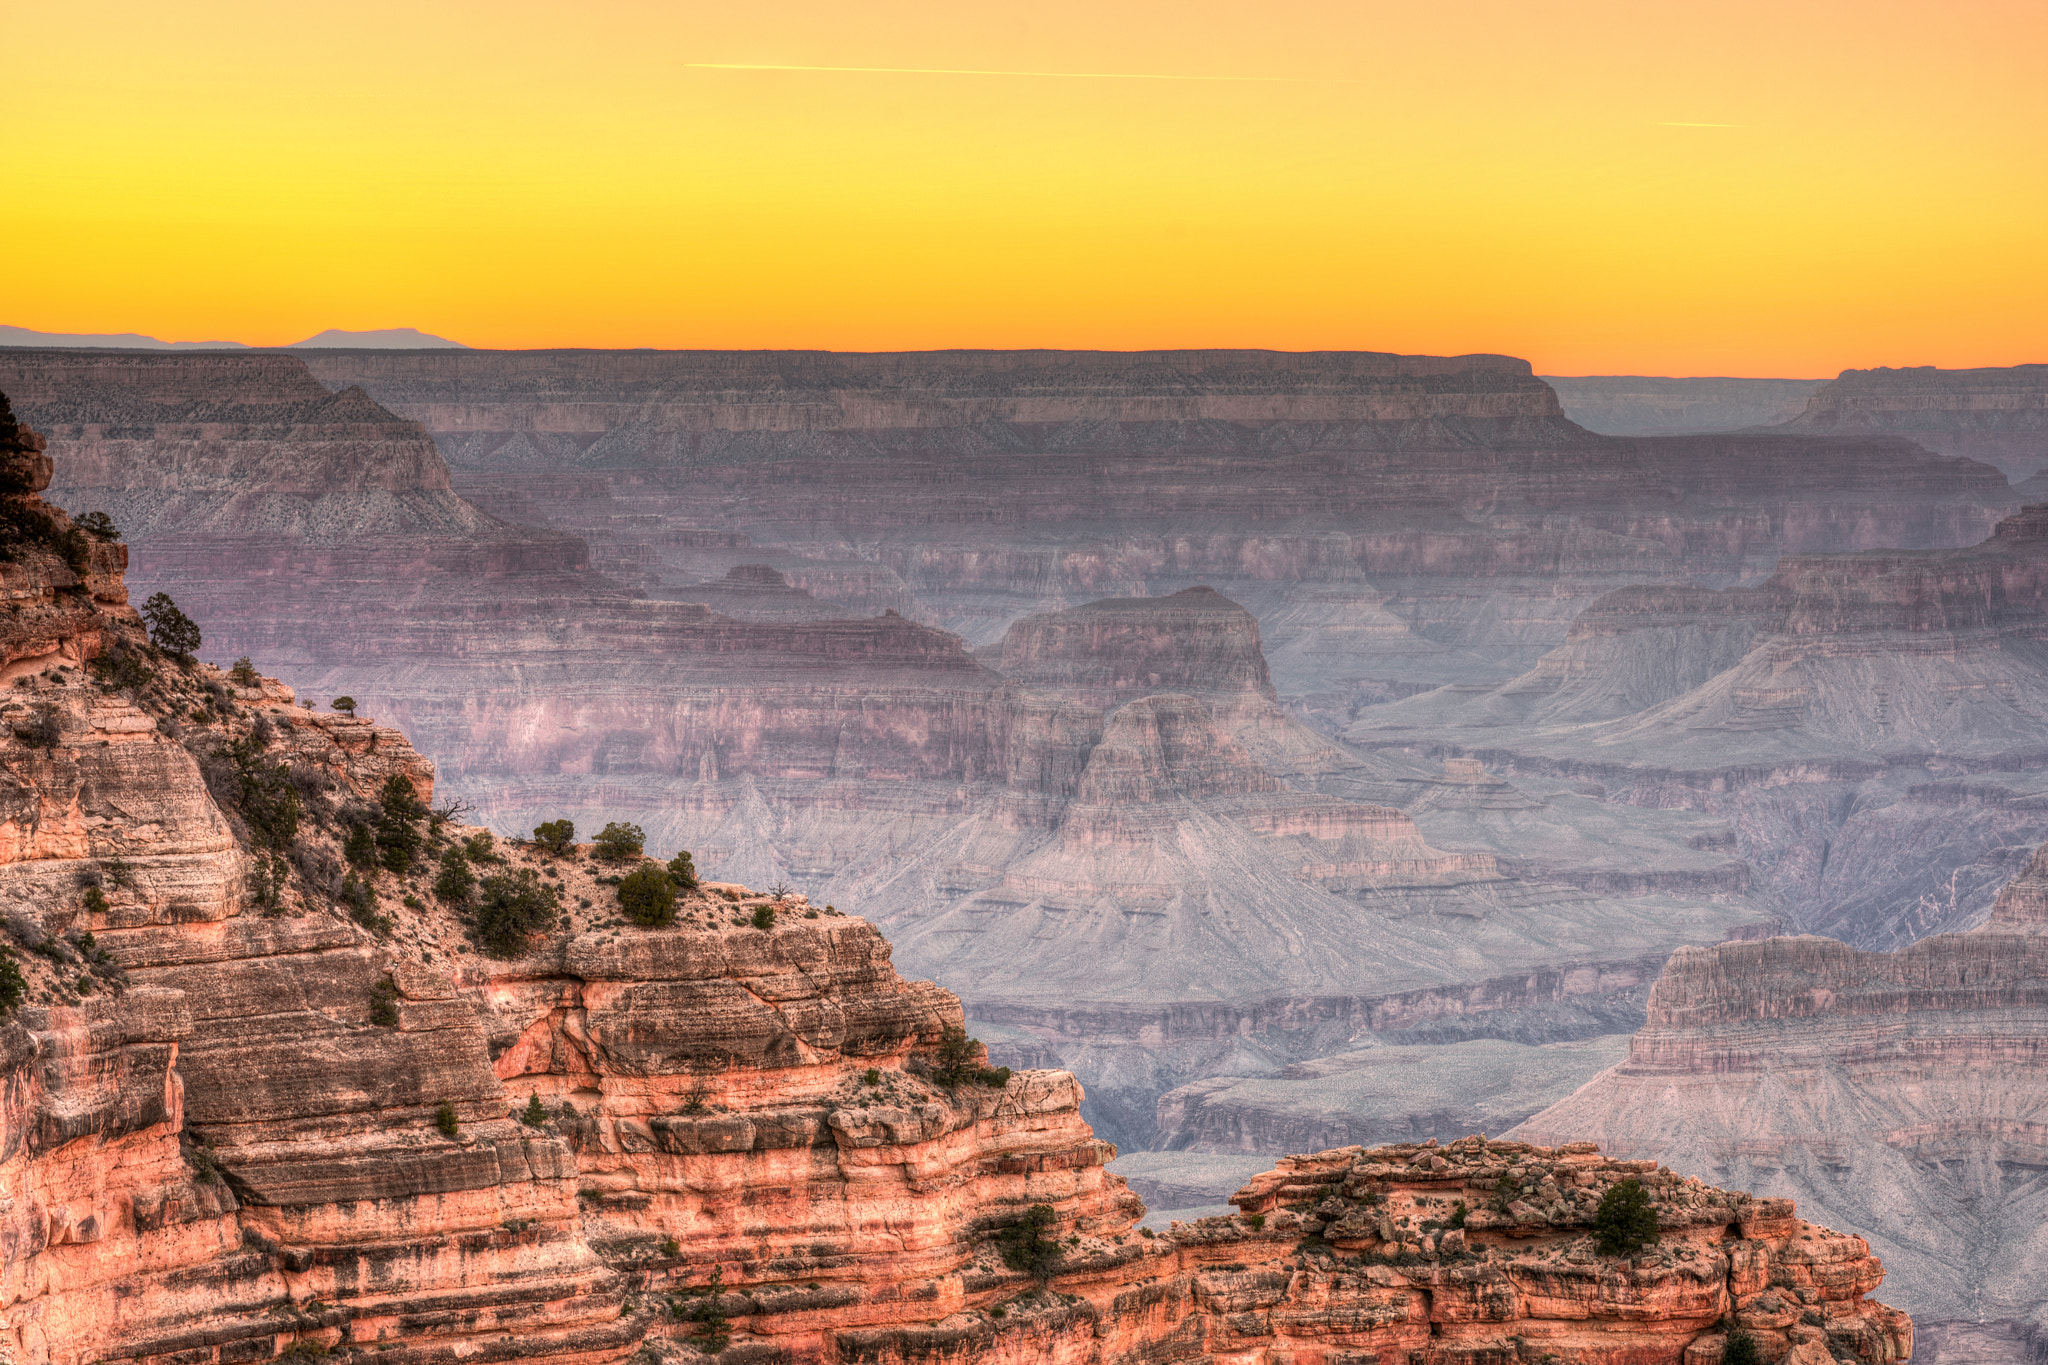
(951, 71)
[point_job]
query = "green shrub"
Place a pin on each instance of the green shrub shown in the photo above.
(764, 917)
(482, 848)
(620, 843)
(455, 883)
(1025, 1246)
(555, 837)
(958, 1062)
(99, 524)
(1255, 1221)
(536, 1113)
(1741, 1349)
(1626, 1221)
(384, 1004)
(1458, 1215)
(444, 1119)
(76, 547)
(360, 847)
(170, 630)
(511, 907)
(399, 839)
(648, 897)
(13, 985)
(244, 673)
(96, 900)
(345, 705)
(683, 871)
(264, 793)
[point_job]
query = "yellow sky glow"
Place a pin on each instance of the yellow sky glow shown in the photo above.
(1602, 186)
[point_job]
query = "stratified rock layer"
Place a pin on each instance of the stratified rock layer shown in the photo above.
(1903, 1094)
(1999, 416)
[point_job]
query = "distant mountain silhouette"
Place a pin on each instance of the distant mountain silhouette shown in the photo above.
(126, 341)
(383, 339)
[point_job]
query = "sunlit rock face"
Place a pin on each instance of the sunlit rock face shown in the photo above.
(1902, 1094)
(1997, 415)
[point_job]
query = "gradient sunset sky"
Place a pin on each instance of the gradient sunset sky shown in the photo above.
(1603, 187)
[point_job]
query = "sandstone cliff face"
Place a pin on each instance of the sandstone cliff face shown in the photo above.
(1999, 416)
(1901, 1093)
(1479, 1250)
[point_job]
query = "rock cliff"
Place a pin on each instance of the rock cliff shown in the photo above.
(1999, 416)
(1865, 720)
(1899, 1093)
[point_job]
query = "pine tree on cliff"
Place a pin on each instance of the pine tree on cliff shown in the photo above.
(170, 630)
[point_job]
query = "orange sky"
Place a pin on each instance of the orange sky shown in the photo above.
(1433, 176)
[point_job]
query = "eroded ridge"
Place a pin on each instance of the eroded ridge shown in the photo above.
(1487, 1251)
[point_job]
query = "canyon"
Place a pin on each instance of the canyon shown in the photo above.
(259, 1109)
(1080, 673)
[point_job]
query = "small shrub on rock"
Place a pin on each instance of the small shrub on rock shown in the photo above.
(511, 907)
(648, 897)
(399, 840)
(682, 870)
(555, 837)
(1741, 1349)
(170, 629)
(764, 917)
(360, 848)
(1626, 1221)
(444, 1119)
(536, 1113)
(620, 843)
(244, 673)
(958, 1062)
(13, 985)
(384, 1004)
(99, 524)
(455, 883)
(1025, 1246)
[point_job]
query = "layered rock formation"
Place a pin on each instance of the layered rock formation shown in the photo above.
(993, 485)
(1638, 405)
(1901, 1093)
(1865, 721)
(1999, 416)
(234, 471)
(256, 1109)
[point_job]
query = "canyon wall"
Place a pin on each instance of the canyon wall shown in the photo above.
(1899, 1093)
(1999, 416)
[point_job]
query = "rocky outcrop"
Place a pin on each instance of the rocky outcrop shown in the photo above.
(1999, 416)
(1107, 652)
(1481, 1250)
(1900, 1093)
(1638, 405)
